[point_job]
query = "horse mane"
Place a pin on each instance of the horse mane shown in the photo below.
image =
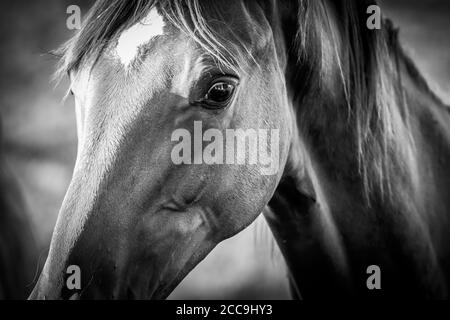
(377, 133)
(419, 80)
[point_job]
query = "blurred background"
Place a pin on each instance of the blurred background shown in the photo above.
(39, 144)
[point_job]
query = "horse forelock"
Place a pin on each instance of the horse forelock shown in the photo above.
(107, 20)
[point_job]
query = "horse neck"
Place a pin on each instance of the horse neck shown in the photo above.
(322, 182)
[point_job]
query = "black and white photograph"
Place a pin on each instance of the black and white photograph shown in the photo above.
(241, 151)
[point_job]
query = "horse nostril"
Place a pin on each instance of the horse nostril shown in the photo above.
(174, 205)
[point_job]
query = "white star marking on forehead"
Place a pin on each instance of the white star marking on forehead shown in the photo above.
(137, 35)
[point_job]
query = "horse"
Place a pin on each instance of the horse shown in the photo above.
(17, 240)
(362, 164)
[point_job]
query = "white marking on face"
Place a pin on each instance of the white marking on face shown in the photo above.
(137, 35)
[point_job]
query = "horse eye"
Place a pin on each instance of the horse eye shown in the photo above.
(219, 94)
